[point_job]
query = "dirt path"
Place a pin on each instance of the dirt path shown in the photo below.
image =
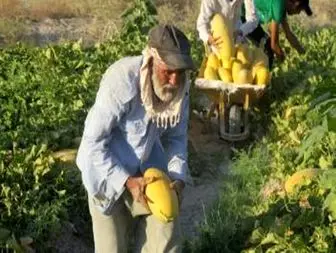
(200, 196)
(196, 201)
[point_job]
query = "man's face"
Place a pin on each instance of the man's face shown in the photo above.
(166, 82)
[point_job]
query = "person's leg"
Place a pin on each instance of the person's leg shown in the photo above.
(111, 232)
(154, 236)
(268, 50)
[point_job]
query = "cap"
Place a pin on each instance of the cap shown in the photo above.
(305, 6)
(172, 46)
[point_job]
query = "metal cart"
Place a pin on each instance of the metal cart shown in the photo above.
(233, 102)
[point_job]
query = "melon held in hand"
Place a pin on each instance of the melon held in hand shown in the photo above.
(162, 200)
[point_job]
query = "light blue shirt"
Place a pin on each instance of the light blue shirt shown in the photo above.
(120, 140)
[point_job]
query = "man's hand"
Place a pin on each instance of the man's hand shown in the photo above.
(279, 53)
(214, 41)
(136, 186)
(178, 186)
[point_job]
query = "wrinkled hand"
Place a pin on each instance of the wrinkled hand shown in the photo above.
(214, 41)
(136, 186)
(178, 186)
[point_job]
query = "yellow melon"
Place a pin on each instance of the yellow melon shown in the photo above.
(236, 67)
(299, 178)
(221, 27)
(213, 61)
(202, 67)
(225, 75)
(244, 76)
(210, 73)
(162, 200)
(261, 75)
(65, 155)
(227, 64)
(243, 53)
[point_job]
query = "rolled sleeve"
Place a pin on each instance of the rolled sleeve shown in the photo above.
(251, 18)
(204, 18)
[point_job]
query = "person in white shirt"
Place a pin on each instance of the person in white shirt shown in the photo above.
(230, 9)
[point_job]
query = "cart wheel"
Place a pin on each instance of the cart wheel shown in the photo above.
(235, 117)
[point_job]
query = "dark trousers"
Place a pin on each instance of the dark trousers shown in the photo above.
(257, 36)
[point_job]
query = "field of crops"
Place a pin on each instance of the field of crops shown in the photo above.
(46, 92)
(260, 209)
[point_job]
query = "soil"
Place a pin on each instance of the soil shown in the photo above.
(53, 31)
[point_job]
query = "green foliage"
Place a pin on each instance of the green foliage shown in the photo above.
(35, 192)
(139, 18)
(45, 94)
(229, 221)
(254, 214)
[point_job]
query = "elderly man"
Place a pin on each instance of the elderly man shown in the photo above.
(139, 120)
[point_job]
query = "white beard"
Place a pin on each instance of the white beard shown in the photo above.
(162, 113)
(165, 92)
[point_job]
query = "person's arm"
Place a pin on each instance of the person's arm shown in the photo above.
(203, 21)
(274, 30)
(103, 175)
(251, 18)
(278, 9)
(174, 141)
(291, 37)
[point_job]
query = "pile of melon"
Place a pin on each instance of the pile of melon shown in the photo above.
(230, 63)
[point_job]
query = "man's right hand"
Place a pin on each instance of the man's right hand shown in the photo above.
(280, 55)
(136, 186)
(214, 41)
